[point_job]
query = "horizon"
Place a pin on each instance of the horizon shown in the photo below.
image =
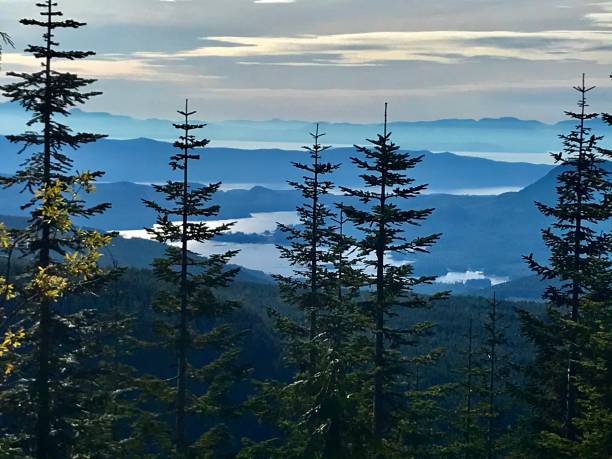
(550, 123)
(504, 139)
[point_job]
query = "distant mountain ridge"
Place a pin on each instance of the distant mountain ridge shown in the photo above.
(505, 134)
(146, 161)
(480, 233)
(489, 234)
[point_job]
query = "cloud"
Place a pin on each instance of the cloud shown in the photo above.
(371, 48)
(118, 67)
(602, 17)
(437, 58)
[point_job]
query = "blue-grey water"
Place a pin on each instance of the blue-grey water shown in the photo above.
(266, 257)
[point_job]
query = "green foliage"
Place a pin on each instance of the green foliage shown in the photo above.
(53, 395)
(569, 400)
(320, 411)
(498, 364)
(469, 428)
(382, 225)
(307, 251)
(191, 319)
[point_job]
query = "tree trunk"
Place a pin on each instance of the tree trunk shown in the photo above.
(379, 353)
(183, 331)
(312, 329)
(571, 391)
(43, 422)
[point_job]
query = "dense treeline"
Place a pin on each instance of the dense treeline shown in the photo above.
(341, 359)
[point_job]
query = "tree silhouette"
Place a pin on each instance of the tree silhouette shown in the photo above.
(308, 246)
(192, 314)
(54, 382)
(319, 409)
(382, 224)
(580, 264)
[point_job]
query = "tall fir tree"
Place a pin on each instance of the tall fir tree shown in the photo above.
(307, 249)
(318, 411)
(193, 318)
(580, 265)
(49, 402)
(382, 223)
(343, 394)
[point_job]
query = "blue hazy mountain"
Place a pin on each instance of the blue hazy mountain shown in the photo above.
(146, 161)
(481, 233)
(485, 135)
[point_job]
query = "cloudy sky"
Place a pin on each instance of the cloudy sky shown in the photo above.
(334, 60)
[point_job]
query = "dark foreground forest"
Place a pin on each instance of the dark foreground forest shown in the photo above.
(343, 359)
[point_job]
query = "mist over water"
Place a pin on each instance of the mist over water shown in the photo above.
(257, 223)
(464, 277)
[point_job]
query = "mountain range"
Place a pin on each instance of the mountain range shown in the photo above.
(485, 135)
(146, 161)
(480, 233)
(487, 233)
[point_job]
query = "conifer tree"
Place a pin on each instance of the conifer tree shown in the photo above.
(319, 410)
(308, 248)
(382, 223)
(469, 393)
(47, 405)
(497, 374)
(193, 318)
(469, 425)
(558, 387)
(594, 333)
(343, 396)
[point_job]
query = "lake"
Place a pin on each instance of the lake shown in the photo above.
(265, 257)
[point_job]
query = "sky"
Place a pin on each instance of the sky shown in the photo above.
(333, 60)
